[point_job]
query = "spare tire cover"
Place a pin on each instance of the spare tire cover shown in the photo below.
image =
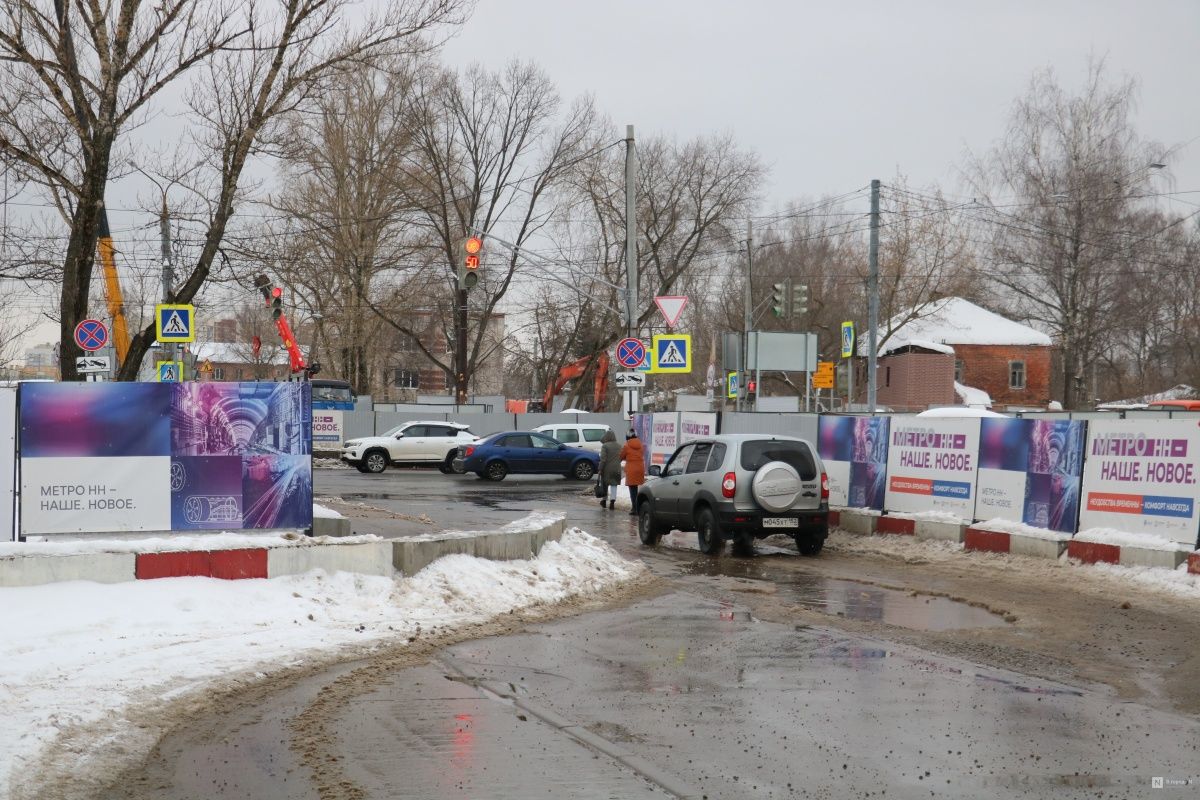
(776, 486)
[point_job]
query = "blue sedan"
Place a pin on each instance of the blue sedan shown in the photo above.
(520, 451)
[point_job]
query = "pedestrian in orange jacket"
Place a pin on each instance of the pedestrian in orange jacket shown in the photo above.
(635, 467)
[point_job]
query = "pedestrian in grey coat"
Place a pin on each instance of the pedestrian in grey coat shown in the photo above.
(610, 467)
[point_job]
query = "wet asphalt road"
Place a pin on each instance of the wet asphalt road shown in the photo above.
(687, 695)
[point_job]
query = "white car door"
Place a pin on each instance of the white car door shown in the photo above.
(413, 445)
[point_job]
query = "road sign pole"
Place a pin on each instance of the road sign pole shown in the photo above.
(631, 262)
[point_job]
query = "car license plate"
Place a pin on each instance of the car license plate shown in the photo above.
(780, 522)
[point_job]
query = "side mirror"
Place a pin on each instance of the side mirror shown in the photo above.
(655, 470)
(399, 435)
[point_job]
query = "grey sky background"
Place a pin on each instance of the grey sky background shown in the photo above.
(831, 94)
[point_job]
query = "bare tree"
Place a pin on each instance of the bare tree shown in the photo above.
(77, 77)
(489, 150)
(1060, 190)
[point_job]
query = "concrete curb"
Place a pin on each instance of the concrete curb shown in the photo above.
(1193, 563)
(853, 520)
(898, 525)
(518, 540)
(1129, 555)
(939, 531)
(367, 556)
(987, 541)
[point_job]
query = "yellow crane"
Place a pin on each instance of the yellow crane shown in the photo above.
(112, 290)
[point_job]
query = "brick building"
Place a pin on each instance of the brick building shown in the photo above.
(991, 354)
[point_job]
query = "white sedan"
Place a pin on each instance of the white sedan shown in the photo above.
(413, 443)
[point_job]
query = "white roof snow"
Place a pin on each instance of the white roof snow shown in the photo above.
(894, 343)
(953, 320)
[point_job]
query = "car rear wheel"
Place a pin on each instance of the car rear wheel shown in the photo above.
(809, 544)
(649, 529)
(583, 471)
(708, 531)
(495, 471)
(375, 461)
(447, 466)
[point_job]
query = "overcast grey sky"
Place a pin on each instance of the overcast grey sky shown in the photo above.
(833, 94)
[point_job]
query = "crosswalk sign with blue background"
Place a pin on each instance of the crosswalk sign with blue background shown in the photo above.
(672, 352)
(174, 323)
(170, 371)
(731, 385)
(847, 339)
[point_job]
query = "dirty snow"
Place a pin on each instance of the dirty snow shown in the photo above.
(1020, 528)
(1147, 541)
(82, 653)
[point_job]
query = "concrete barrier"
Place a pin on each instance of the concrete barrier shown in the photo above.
(1043, 544)
(331, 526)
(517, 540)
(366, 557)
(1194, 563)
(38, 568)
(899, 525)
(1151, 557)
(1129, 551)
(1094, 552)
(939, 531)
(854, 520)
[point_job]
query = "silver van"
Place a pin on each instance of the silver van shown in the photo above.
(741, 486)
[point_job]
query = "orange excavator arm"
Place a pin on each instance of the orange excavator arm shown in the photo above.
(575, 370)
(112, 289)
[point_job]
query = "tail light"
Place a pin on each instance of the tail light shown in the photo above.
(470, 449)
(728, 484)
(824, 486)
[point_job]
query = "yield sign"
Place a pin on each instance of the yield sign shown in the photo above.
(671, 307)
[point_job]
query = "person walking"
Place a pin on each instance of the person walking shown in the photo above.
(610, 467)
(635, 467)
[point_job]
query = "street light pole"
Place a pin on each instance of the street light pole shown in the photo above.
(873, 299)
(631, 265)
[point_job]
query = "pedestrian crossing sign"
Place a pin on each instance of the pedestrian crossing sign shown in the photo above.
(170, 371)
(173, 323)
(672, 352)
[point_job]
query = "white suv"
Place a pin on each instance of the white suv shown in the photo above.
(427, 443)
(585, 436)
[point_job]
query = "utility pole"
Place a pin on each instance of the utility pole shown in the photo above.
(873, 299)
(747, 321)
(168, 271)
(631, 264)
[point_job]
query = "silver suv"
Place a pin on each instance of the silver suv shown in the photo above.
(742, 486)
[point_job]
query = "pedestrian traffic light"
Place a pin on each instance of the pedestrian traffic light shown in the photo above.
(276, 302)
(468, 276)
(779, 305)
(800, 299)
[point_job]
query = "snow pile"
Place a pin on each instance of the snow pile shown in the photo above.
(1146, 541)
(173, 543)
(953, 320)
(1020, 528)
(926, 516)
(970, 396)
(1178, 582)
(960, 411)
(82, 659)
(325, 513)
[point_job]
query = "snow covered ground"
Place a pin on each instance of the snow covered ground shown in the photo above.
(82, 661)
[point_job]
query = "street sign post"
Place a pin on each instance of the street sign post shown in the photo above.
(91, 335)
(671, 307)
(174, 323)
(630, 380)
(672, 352)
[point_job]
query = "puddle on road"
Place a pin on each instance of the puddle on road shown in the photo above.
(853, 600)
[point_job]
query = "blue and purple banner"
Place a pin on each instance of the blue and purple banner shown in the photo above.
(855, 452)
(1030, 471)
(109, 457)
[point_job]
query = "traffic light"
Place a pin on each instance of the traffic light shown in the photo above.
(468, 276)
(780, 299)
(276, 302)
(800, 299)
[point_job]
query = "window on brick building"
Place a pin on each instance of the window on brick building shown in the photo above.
(218, 373)
(406, 378)
(1016, 374)
(958, 370)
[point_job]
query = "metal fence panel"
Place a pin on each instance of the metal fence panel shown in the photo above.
(803, 426)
